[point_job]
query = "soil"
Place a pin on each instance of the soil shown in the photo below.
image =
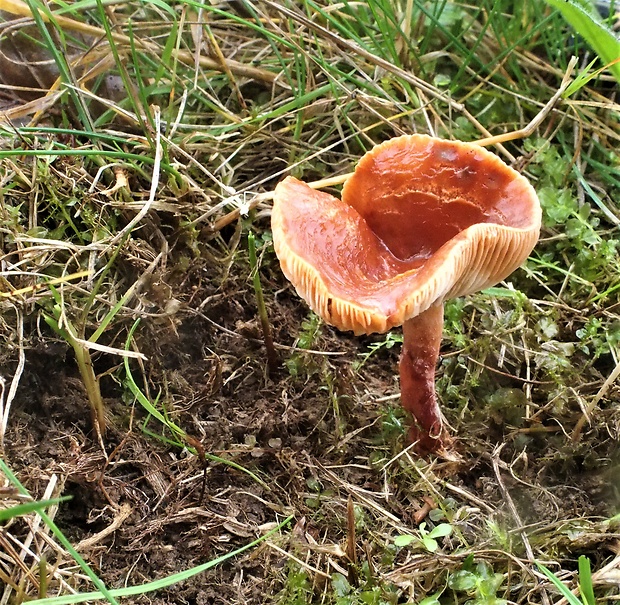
(312, 441)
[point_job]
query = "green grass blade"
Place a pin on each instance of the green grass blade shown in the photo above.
(564, 590)
(122, 70)
(59, 57)
(75, 8)
(164, 6)
(585, 581)
(582, 78)
(105, 322)
(594, 197)
(29, 507)
(272, 357)
(586, 21)
(163, 582)
(144, 401)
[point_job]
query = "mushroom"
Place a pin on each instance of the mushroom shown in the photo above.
(421, 220)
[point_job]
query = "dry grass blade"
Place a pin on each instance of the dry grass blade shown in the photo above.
(7, 397)
(50, 282)
(28, 549)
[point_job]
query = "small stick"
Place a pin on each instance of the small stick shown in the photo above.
(5, 403)
(120, 517)
(528, 130)
(351, 544)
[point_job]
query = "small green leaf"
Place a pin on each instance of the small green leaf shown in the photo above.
(430, 544)
(462, 580)
(490, 585)
(340, 585)
(468, 563)
(441, 531)
(484, 570)
(432, 600)
(404, 540)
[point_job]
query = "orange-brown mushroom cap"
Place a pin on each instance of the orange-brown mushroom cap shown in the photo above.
(421, 220)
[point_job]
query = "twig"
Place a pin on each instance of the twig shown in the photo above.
(121, 516)
(351, 551)
(528, 130)
(50, 282)
(469, 496)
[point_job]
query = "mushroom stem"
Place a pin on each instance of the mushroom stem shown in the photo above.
(421, 342)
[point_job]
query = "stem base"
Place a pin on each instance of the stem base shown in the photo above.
(421, 342)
